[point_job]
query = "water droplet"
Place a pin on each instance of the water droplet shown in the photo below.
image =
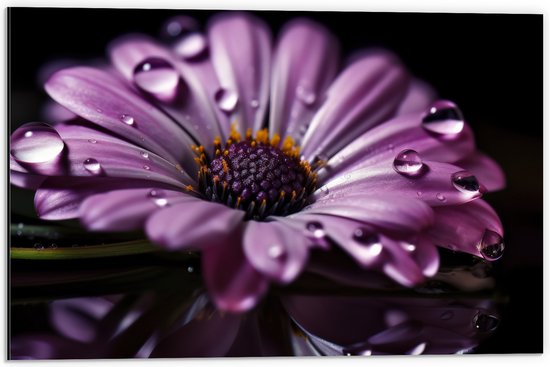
(365, 236)
(447, 315)
(491, 245)
(443, 117)
(178, 26)
(144, 154)
(408, 247)
(324, 190)
(254, 103)
(35, 142)
(485, 323)
(305, 95)
(226, 99)
(157, 77)
(419, 349)
(92, 165)
(440, 197)
(190, 269)
(316, 228)
(146, 167)
(408, 163)
(38, 246)
(158, 197)
(127, 119)
(99, 110)
(276, 251)
(93, 141)
(191, 46)
(466, 182)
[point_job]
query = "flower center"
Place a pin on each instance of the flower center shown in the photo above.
(260, 176)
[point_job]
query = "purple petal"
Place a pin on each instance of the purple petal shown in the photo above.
(231, 280)
(385, 141)
(100, 98)
(196, 113)
(193, 224)
(305, 63)
(60, 197)
(25, 180)
(195, 339)
(487, 171)
(434, 185)
(125, 210)
(462, 227)
(388, 212)
(240, 48)
(275, 249)
(365, 94)
(419, 97)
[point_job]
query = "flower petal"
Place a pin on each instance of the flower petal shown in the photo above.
(125, 210)
(240, 48)
(434, 185)
(231, 280)
(275, 249)
(487, 171)
(26, 180)
(305, 62)
(193, 224)
(365, 94)
(388, 212)
(462, 227)
(98, 97)
(418, 97)
(385, 141)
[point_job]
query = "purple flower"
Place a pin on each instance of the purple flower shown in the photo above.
(256, 152)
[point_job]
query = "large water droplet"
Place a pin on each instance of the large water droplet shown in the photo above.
(92, 165)
(191, 46)
(466, 182)
(157, 77)
(305, 95)
(444, 118)
(226, 100)
(127, 119)
(35, 142)
(485, 323)
(276, 252)
(316, 228)
(408, 163)
(491, 245)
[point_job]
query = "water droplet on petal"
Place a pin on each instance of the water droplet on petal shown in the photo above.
(465, 182)
(368, 239)
(92, 165)
(444, 118)
(93, 141)
(491, 245)
(440, 197)
(127, 119)
(157, 77)
(305, 95)
(144, 154)
(159, 197)
(276, 251)
(146, 167)
(226, 100)
(324, 190)
(408, 163)
(485, 323)
(35, 142)
(316, 228)
(447, 315)
(254, 103)
(419, 349)
(191, 46)
(409, 247)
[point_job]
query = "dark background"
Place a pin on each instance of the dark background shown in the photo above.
(489, 64)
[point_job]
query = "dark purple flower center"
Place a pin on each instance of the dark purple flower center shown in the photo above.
(257, 176)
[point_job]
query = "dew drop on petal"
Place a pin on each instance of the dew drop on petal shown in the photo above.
(408, 163)
(127, 119)
(484, 322)
(443, 117)
(146, 167)
(92, 165)
(305, 95)
(35, 142)
(491, 245)
(93, 141)
(409, 247)
(369, 239)
(276, 252)
(226, 99)
(465, 182)
(158, 197)
(144, 154)
(157, 77)
(191, 46)
(440, 197)
(254, 103)
(316, 228)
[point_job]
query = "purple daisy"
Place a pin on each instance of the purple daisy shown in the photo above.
(256, 152)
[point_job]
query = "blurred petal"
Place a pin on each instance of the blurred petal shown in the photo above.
(240, 48)
(193, 224)
(305, 62)
(26, 180)
(365, 94)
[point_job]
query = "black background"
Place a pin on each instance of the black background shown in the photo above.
(489, 64)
